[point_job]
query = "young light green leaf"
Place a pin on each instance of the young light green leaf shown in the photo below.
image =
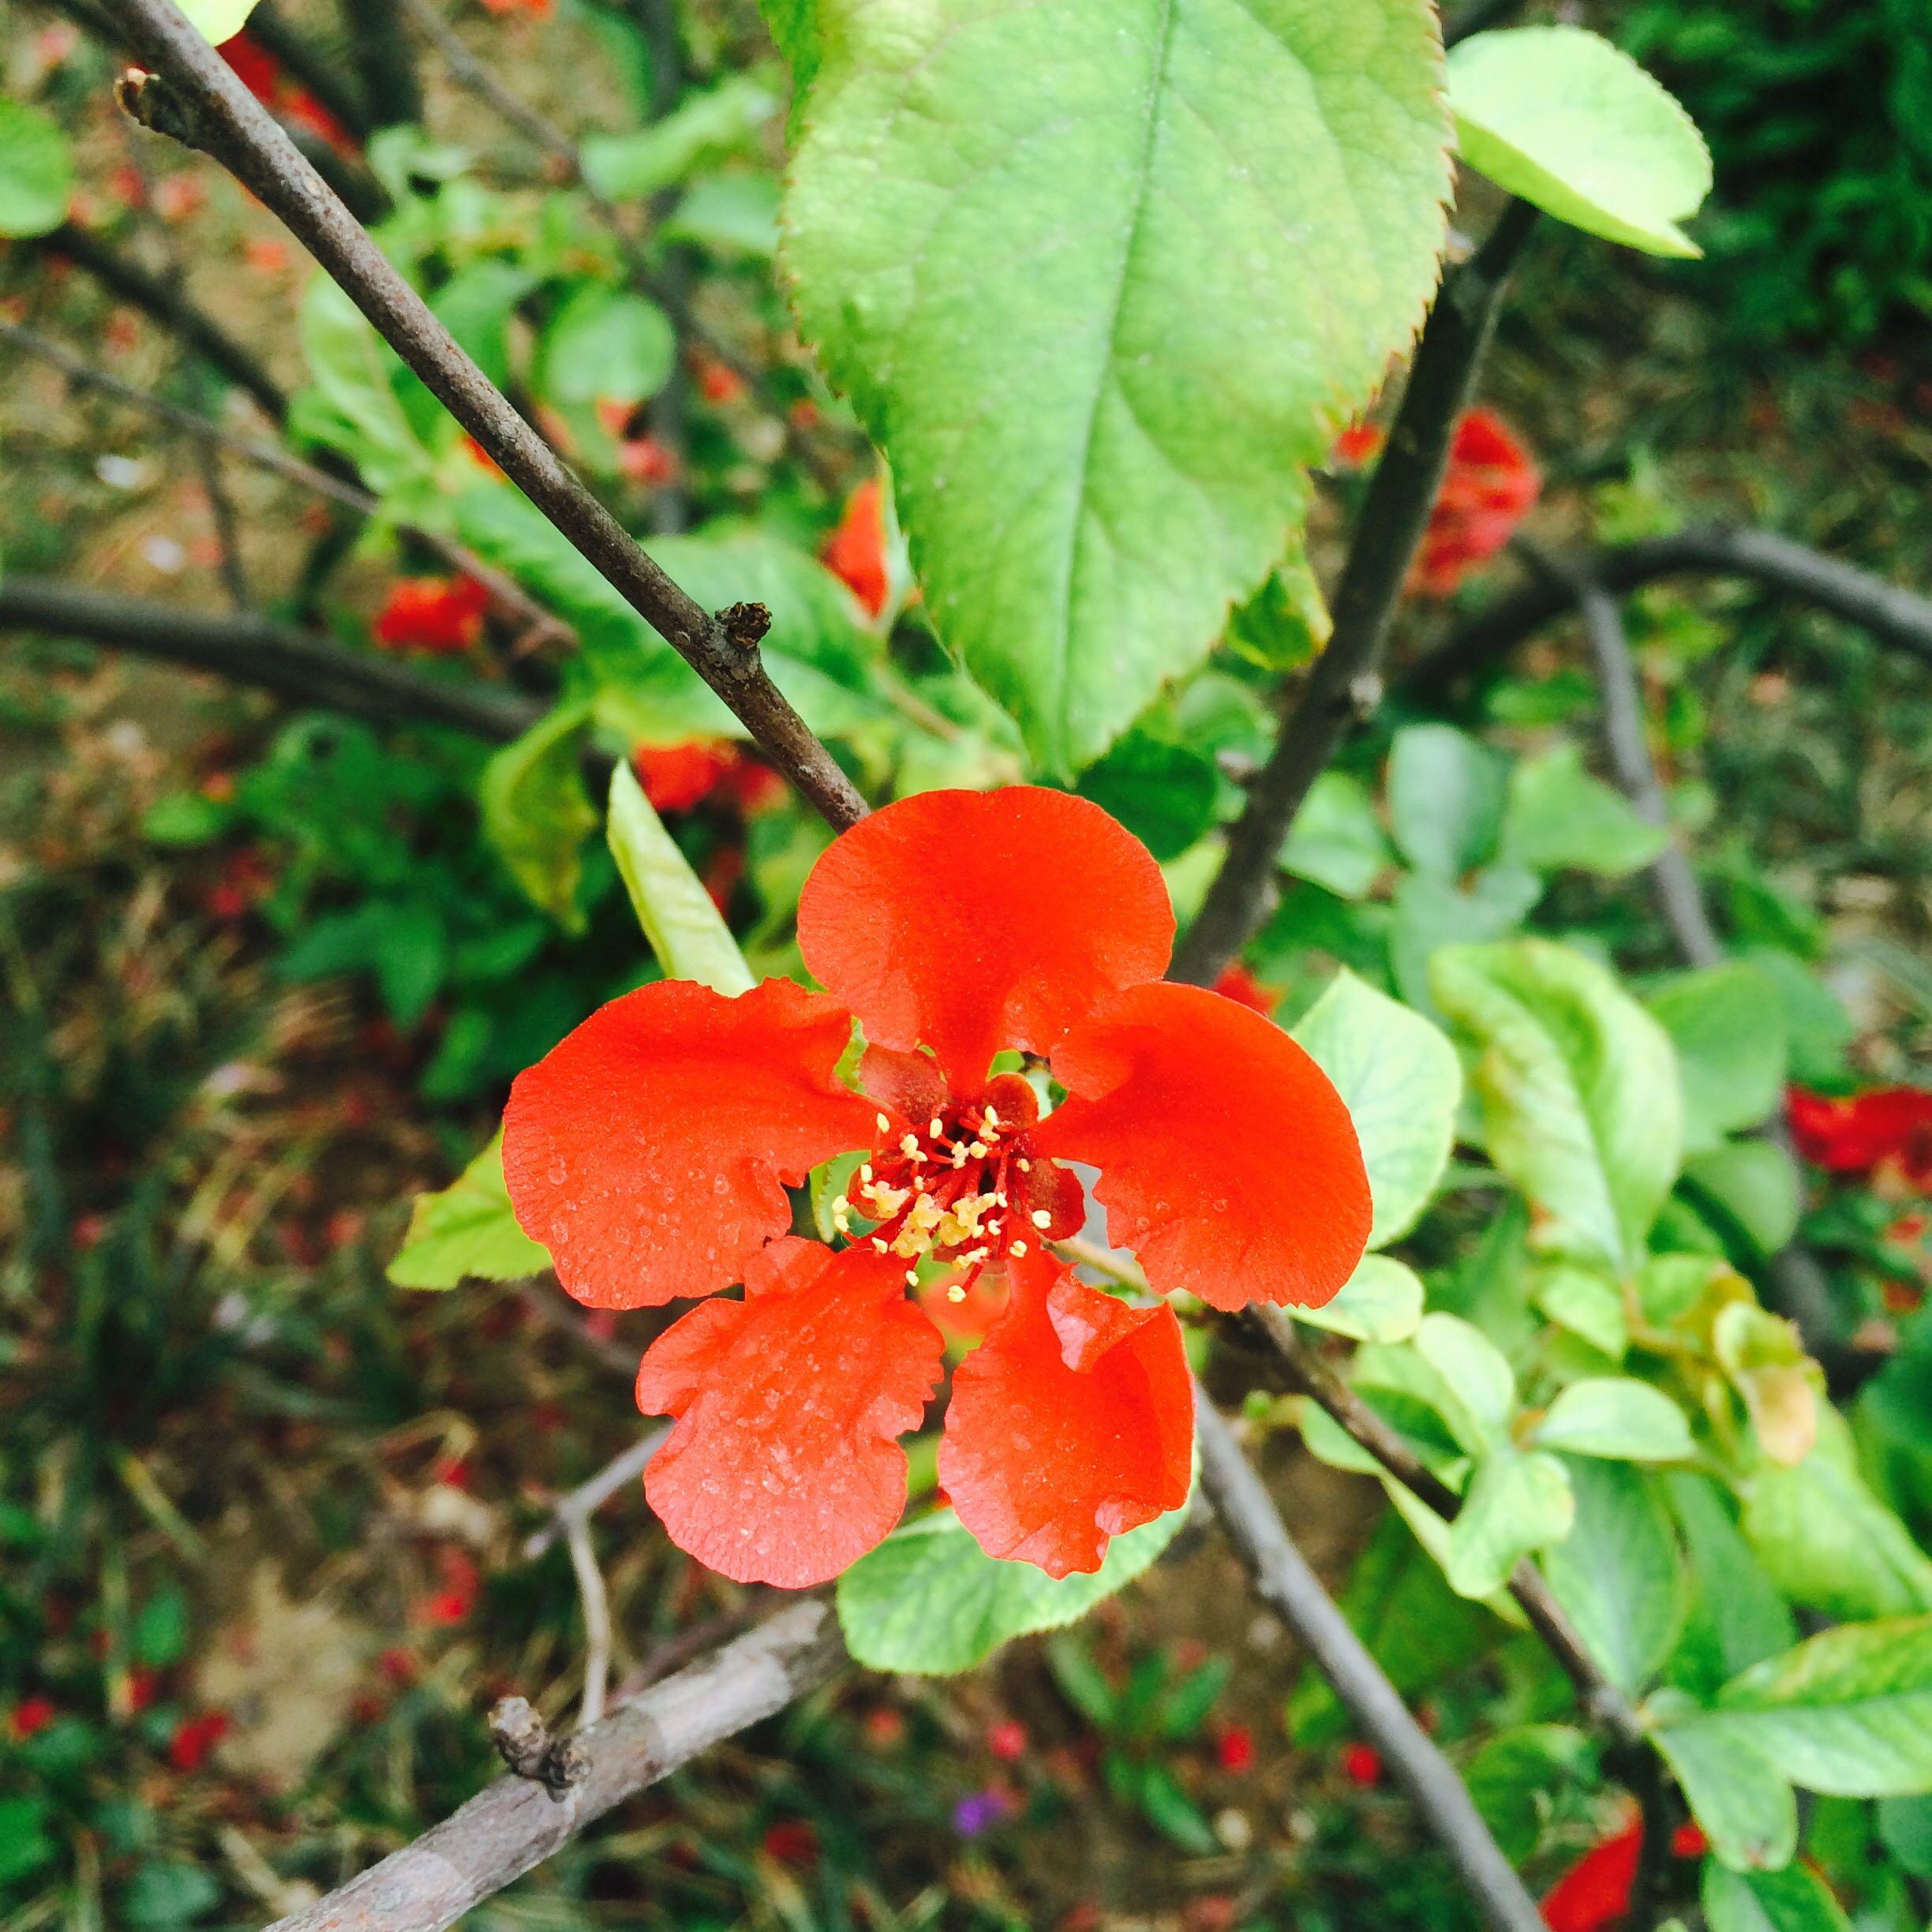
(1104, 278)
(351, 404)
(467, 1229)
(1745, 1804)
(607, 345)
(1578, 1088)
(36, 171)
(1848, 1712)
(1795, 1900)
(218, 19)
(685, 929)
(704, 128)
(1588, 1305)
(1617, 1417)
(1516, 1502)
(1402, 1082)
(537, 814)
(1445, 794)
(1755, 1184)
(1727, 1026)
(1618, 1573)
(1337, 841)
(1905, 1825)
(1478, 1389)
(1559, 116)
(1562, 818)
(930, 1601)
(1381, 1302)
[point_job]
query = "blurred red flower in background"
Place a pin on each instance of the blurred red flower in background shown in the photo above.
(194, 1738)
(1492, 484)
(260, 73)
(439, 615)
(1886, 1127)
(854, 552)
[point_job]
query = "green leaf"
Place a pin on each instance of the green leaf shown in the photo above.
(1727, 1026)
(1337, 841)
(537, 814)
(1516, 1502)
(36, 171)
(1513, 1774)
(1827, 1541)
(219, 19)
(1578, 1091)
(1618, 1572)
(1783, 1389)
(1754, 1183)
(685, 928)
(1381, 1302)
(1402, 1082)
(1745, 1804)
(1560, 819)
(727, 214)
(705, 128)
(351, 404)
(160, 1630)
(1172, 1813)
(607, 345)
(1905, 1824)
(475, 305)
(24, 1845)
(1431, 913)
(930, 1601)
(1477, 1393)
(467, 1229)
(1588, 1305)
(1286, 623)
(1737, 1616)
(1104, 278)
(1445, 795)
(1795, 1900)
(1848, 1712)
(166, 1894)
(1559, 116)
(1617, 1417)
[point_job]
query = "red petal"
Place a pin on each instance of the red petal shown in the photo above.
(784, 1465)
(1595, 1892)
(647, 1149)
(973, 921)
(909, 1086)
(1072, 1423)
(1228, 1162)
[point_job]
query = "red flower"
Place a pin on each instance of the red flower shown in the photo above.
(260, 73)
(1238, 984)
(1361, 1764)
(718, 382)
(856, 551)
(194, 1738)
(1492, 484)
(1595, 1892)
(647, 462)
(1359, 444)
(1007, 1740)
(679, 777)
(650, 1152)
(792, 1841)
(1888, 1127)
(30, 1717)
(436, 614)
(1235, 1751)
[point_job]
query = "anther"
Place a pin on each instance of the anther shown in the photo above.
(909, 1145)
(865, 1171)
(992, 1118)
(955, 1292)
(1024, 1165)
(1018, 1247)
(880, 1246)
(884, 1125)
(1042, 1219)
(978, 1150)
(912, 1278)
(935, 1127)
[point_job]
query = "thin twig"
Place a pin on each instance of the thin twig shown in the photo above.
(294, 664)
(134, 284)
(584, 1501)
(194, 95)
(513, 1823)
(597, 1622)
(535, 624)
(1291, 1589)
(1344, 684)
(1893, 614)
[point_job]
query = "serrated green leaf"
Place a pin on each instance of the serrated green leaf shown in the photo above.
(1578, 1089)
(468, 1229)
(36, 171)
(1617, 1417)
(1618, 1572)
(1746, 1806)
(1104, 278)
(1795, 1900)
(1516, 1502)
(537, 813)
(1727, 1027)
(1445, 795)
(1381, 1302)
(1402, 1082)
(1561, 818)
(1559, 116)
(685, 928)
(1286, 623)
(1848, 1712)
(930, 1601)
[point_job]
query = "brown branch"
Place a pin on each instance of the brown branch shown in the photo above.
(1344, 684)
(192, 95)
(134, 285)
(1292, 1590)
(570, 1512)
(1894, 615)
(294, 664)
(513, 1824)
(536, 624)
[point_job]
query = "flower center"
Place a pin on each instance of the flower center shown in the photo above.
(956, 1192)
